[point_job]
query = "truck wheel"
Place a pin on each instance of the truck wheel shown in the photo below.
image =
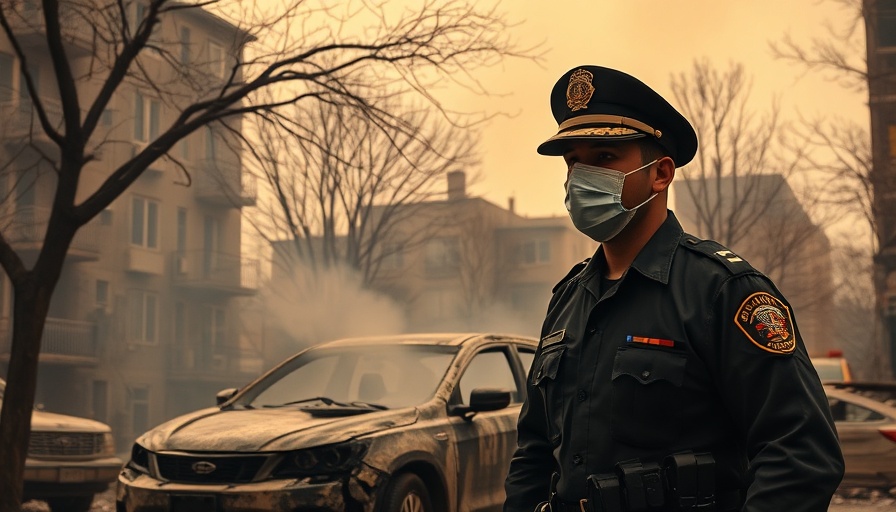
(407, 493)
(70, 504)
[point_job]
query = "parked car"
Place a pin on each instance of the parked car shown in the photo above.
(413, 422)
(69, 460)
(867, 430)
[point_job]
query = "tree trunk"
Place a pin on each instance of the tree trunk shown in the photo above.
(30, 308)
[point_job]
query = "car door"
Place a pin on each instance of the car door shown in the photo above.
(485, 442)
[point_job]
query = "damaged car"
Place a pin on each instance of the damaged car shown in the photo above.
(421, 423)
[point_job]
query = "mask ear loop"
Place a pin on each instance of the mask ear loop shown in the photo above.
(649, 198)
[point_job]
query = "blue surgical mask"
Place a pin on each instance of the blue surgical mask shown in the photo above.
(594, 200)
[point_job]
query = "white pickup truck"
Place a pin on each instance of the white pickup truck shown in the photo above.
(69, 460)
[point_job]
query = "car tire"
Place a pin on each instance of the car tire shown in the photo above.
(70, 504)
(407, 493)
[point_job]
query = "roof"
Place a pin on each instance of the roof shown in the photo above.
(446, 339)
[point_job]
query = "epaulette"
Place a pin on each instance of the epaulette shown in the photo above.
(718, 252)
(574, 271)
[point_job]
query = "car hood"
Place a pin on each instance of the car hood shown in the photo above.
(42, 421)
(253, 430)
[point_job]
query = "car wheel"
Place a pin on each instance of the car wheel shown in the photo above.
(407, 493)
(70, 504)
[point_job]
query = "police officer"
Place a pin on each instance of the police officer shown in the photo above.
(662, 350)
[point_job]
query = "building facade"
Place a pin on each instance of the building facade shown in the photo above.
(477, 266)
(880, 33)
(144, 323)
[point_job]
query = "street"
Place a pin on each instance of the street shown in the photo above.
(854, 501)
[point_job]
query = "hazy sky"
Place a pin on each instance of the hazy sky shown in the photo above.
(650, 39)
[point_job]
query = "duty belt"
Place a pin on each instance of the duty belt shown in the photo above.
(683, 482)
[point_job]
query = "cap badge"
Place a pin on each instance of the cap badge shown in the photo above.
(579, 90)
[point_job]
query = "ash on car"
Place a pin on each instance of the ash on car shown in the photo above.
(385, 423)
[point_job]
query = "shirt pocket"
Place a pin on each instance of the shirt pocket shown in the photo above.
(544, 377)
(647, 396)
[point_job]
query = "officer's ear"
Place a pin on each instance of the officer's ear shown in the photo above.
(665, 171)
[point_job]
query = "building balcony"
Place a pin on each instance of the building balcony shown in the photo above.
(197, 362)
(27, 229)
(64, 341)
(216, 272)
(26, 18)
(223, 183)
(22, 124)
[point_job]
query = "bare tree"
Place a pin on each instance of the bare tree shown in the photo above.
(842, 159)
(304, 61)
(340, 187)
(742, 164)
(738, 189)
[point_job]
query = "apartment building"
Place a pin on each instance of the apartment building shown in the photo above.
(765, 224)
(144, 324)
(880, 32)
(466, 264)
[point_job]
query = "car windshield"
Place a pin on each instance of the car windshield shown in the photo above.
(375, 377)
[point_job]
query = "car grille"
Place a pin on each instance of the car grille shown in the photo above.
(64, 444)
(211, 469)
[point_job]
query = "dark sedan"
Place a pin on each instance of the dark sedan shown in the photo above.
(411, 423)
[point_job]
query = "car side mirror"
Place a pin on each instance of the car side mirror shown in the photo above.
(482, 400)
(225, 395)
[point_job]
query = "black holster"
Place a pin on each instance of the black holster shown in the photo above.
(683, 482)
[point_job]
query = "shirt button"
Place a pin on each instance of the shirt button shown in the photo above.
(577, 460)
(645, 374)
(581, 395)
(592, 331)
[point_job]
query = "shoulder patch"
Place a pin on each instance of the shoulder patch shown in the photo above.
(574, 271)
(717, 252)
(767, 323)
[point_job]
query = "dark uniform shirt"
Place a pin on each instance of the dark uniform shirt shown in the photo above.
(692, 349)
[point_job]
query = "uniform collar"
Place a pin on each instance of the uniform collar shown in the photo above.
(654, 261)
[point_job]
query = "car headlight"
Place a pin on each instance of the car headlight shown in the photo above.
(139, 459)
(322, 460)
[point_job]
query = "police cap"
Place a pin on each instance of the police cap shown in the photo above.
(594, 102)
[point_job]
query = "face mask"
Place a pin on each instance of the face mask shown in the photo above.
(594, 200)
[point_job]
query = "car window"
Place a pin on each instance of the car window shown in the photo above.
(849, 412)
(527, 355)
(488, 369)
(393, 376)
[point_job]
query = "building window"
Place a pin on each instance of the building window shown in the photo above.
(181, 230)
(146, 118)
(100, 399)
(217, 64)
(442, 254)
(532, 252)
(886, 23)
(6, 72)
(106, 118)
(102, 292)
(214, 329)
(185, 46)
(142, 316)
(138, 398)
(210, 144)
(145, 223)
(393, 257)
